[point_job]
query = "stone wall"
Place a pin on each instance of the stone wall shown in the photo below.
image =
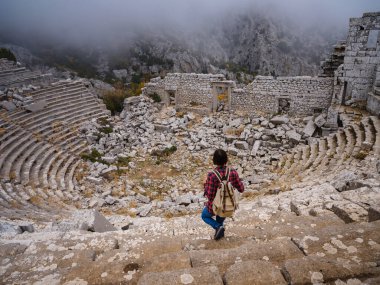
(304, 94)
(361, 57)
(185, 88)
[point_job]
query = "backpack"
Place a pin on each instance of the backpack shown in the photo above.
(226, 199)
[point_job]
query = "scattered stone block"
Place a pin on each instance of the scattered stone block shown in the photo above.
(142, 198)
(309, 129)
(255, 147)
(293, 136)
(95, 180)
(279, 120)
(342, 181)
(92, 220)
(320, 120)
(37, 106)
(7, 105)
(241, 145)
(144, 210)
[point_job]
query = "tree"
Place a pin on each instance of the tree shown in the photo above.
(6, 53)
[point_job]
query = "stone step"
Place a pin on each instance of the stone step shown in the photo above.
(376, 125)
(45, 158)
(19, 164)
(51, 108)
(55, 88)
(205, 275)
(321, 270)
(16, 142)
(369, 134)
(47, 117)
(5, 171)
(254, 272)
(26, 169)
(312, 157)
(48, 124)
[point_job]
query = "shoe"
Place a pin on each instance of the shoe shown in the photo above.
(219, 233)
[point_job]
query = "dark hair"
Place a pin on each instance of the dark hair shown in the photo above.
(220, 157)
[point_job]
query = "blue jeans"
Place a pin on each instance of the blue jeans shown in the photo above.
(207, 218)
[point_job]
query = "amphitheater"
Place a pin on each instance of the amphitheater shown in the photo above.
(311, 213)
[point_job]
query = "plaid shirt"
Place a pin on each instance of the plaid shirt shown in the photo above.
(212, 183)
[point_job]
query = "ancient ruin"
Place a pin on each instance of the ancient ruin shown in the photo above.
(90, 198)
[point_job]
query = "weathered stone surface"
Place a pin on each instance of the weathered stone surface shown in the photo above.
(309, 129)
(255, 147)
(350, 212)
(293, 136)
(279, 120)
(374, 213)
(253, 272)
(320, 120)
(7, 105)
(37, 106)
(206, 275)
(168, 262)
(241, 145)
(317, 270)
(342, 181)
(92, 220)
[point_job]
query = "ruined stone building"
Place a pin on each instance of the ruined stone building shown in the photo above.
(351, 76)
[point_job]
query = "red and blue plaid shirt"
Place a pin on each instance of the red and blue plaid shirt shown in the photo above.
(212, 183)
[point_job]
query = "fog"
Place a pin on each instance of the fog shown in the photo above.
(83, 22)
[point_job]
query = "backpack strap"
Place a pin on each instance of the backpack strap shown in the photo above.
(216, 172)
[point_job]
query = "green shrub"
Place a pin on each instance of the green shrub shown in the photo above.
(93, 156)
(114, 100)
(156, 98)
(6, 53)
(106, 130)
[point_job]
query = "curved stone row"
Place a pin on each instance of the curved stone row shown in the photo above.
(39, 151)
(333, 152)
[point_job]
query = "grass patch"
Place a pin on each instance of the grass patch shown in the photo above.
(93, 156)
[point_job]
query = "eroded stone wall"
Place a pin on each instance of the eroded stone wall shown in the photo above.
(185, 87)
(304, 94)
(361, 57)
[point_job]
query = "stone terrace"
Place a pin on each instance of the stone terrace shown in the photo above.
(39, 151)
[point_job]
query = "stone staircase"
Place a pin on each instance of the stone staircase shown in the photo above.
(262, 246)
(40, 150)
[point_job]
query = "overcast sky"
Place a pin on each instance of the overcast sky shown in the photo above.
(86, 20)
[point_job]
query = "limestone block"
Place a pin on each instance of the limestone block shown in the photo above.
(93, 221)
(205, 275)
(293, 136)
(241, 145)
(309, 129)
(144, 210)
(349, 212)
(94, 180)
(168, 261)
(318, 270)
(374, 213)
(320, 120)
(279, 120)
(254, 272)
(142, 198)
(37, 106)
(9, 106)
(256, 147)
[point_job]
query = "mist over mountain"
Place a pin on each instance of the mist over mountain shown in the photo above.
(93, 38)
